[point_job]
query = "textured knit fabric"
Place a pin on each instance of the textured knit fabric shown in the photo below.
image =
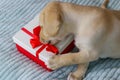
(14, 14)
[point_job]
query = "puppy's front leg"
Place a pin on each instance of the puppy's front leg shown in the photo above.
(83, 56)
(79, 73)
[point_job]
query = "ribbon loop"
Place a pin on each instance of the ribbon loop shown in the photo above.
(36, 31)
(35, 43)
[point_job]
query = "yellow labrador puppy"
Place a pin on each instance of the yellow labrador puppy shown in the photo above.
(96, 32)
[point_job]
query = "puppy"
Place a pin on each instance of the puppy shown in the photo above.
(96, 33)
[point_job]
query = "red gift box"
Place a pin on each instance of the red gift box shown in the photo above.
(27, 42)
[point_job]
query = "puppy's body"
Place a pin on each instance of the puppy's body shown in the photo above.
(94, 28)
(96, 31)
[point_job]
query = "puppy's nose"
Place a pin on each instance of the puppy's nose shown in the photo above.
(47, 41)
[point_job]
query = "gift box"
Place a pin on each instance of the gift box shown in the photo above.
(28, 43)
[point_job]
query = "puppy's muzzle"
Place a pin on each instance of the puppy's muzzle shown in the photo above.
(45, 41)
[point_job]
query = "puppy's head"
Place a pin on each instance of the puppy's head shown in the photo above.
(51, 22)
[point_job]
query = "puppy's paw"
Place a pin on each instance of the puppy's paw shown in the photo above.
(72, 76)
(54, 62)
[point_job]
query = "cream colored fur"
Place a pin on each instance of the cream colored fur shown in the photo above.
(96, 32)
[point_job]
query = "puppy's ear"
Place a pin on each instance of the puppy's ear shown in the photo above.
(54, 21)
(51, 18)
(55, 24)
(41, 18)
